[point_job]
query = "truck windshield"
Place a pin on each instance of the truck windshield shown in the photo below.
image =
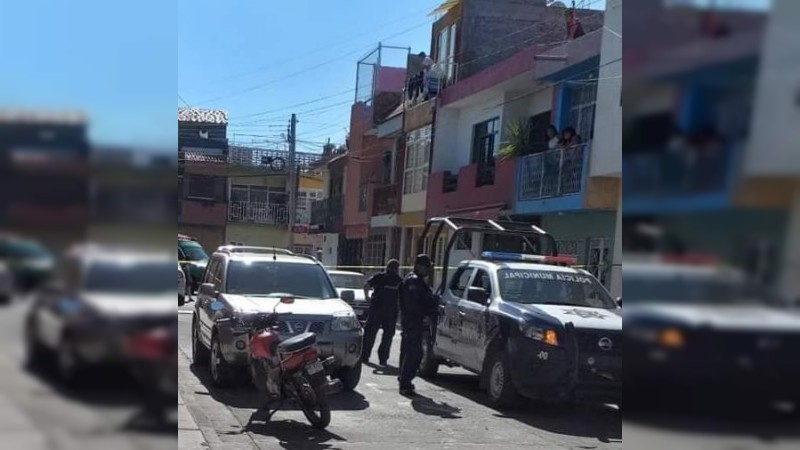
(193, 251)
(348, 281)
(139, 278)
(556, 288)
(275, 277)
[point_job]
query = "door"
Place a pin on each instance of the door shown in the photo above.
(449, 318)
(472, 334)
(205, 316)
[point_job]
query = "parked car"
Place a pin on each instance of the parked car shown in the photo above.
(244, 281)
(350, 286)
(96, 300)
(29, 262)
(6, 284)
(181, 286)
(194, 260)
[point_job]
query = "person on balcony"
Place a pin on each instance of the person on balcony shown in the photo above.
(552, 137)
(570, 138)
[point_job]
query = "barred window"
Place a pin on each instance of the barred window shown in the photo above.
(418, 146)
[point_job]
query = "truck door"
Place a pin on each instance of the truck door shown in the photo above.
(449, 317)
(474, 316)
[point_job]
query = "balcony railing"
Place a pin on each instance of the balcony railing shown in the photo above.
(261, 213)
(385, 200)
(552, 173)
(676, 174)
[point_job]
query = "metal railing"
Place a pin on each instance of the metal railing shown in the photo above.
(262, 213)
(552, 173)
(327, 213)
(679, 173)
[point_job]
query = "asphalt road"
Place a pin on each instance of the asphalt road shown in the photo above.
(448, 413)
(36, 412)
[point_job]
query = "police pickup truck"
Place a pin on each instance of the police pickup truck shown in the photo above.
(531, 326)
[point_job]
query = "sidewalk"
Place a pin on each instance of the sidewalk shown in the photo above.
(189, 435)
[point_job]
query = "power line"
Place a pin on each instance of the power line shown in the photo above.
(295, 105)
(184, 101)
(303, 71)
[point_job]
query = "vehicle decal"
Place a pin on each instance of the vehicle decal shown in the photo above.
(583, 314)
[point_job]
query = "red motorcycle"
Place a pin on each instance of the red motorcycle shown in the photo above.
(153, 358)
(289, 369)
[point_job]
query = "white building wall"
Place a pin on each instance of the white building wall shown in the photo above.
(467, 119)
(330, 249)
(606, 159)
(774, 134)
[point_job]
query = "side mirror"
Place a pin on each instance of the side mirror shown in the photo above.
(209, 290)
(348, 296)
(478, 295)
(619, 301)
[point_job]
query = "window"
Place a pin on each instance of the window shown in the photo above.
(460, 281)
(583, 95)
(143, 277)
(200, 186)
(258, 194)
(376, 249)
(464, 241)
(446, 50)
(482, 280)
(418, 146)
(485, 142)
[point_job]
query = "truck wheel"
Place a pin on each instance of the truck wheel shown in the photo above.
(430, 363)
(502, 393)
(200, 354)
(350, 376)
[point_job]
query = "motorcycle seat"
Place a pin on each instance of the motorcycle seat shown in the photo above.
(297, 343)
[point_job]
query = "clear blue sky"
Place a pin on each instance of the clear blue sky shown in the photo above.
(114, 60)
(253, 56)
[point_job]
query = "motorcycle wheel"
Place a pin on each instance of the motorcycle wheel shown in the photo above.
(314, 403)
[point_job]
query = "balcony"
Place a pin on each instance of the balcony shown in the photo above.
(678, 181)
(468, 194)
(259, 213)
(552, 173)
(326, 215)
(553, 181)
(386, 200)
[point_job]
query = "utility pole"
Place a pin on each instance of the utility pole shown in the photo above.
(291, 180)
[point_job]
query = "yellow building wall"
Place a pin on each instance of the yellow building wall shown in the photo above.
(257, 235)
(311, 183)
(267, 181)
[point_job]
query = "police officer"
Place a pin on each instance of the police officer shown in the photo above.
(382, 311)
(416, 303)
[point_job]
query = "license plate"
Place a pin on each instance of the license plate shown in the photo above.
(314, 367)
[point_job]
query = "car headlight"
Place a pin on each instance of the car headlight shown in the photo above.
(345, 322)
(546, 335)
(671, 337)
(664, 337)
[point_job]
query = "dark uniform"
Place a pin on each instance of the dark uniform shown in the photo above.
(383, 311)
(416, 303)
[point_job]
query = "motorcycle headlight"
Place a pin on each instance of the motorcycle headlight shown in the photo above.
(346, 321)
(546, 335)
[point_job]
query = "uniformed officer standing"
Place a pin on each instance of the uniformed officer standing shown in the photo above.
(383, 311)
(416, 303)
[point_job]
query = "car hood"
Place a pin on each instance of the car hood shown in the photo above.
(114, 304)
(581, 317)
(358, 293)
(729, 317)
(312, 307)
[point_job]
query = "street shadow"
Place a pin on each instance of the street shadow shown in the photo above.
(598, 421)
(246, 396)
(715, 418)
(143, 422)
(429, 407)
(292, 434)
(383, 370)
(100, 386)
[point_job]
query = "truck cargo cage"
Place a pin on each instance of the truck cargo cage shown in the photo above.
(537, 243)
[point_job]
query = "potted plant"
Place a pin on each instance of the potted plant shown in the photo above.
(519, 140)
